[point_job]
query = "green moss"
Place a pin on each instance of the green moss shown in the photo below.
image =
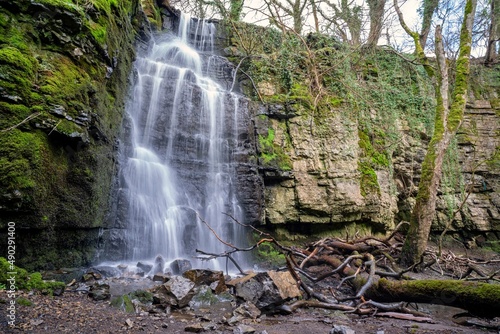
(24, 302)
(13, 57)
(143, 296)
(269, 256)
(378, 159)
(300, 93)
(369, 180)
(123, 303)
(66, 4)
(20, 159)
(204, 298)
(67, 127)
(25, 281)
(64, 83)
(99, 32)
(272, 154)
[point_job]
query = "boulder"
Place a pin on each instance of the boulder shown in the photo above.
(99, 292)
(207, 277)
(204, 298)
(108, 271)
(338, 329)
(159, 264)
(161, 277)
(286, 284)
(145, 267)
(182, 289)
(267, 290)
(180, 266)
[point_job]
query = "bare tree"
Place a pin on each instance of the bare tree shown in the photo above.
(448, 118)
(225, 9)
(376, 13)
(343, 20)
(493, 33)
(291, 8)
(429, 8)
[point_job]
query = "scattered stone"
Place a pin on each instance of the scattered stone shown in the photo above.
(122, 267)
(77, 52)
(194, 328)
(161, 277)
(244, 329)
(180, 266)
(247, 310)
(287, 286)
(107, 271)
(99, 292)
(145, 267)
(181, 289)
(58, 291)
(340, 329)
(58, 110)
(207, 277)
(36, 322)
(129, 323)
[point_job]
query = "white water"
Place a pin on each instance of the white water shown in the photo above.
(180, 166)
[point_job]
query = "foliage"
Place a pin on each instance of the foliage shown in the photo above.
(268, 255)
(272, 154)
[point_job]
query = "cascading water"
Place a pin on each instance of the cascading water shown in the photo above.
(178, 165)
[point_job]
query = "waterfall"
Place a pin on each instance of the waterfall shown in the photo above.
(177, 164)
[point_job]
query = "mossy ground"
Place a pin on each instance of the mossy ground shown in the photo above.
(24, 280)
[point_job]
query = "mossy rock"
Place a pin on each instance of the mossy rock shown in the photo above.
(25, 281)
(123, 303)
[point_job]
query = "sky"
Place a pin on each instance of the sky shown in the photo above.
(396, 34)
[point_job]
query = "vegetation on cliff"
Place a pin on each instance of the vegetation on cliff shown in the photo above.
(64, 67)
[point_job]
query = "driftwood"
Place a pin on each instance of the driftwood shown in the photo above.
(379, 287)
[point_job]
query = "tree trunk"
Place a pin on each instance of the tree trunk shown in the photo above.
(235, 9)
(480, 299)
(315, 15)
(376, 13)
(493, 33)
(430, 7)
(447, 121)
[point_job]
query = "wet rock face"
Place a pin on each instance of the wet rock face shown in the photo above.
(68, 83)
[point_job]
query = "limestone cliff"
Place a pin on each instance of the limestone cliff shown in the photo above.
(347, 160)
